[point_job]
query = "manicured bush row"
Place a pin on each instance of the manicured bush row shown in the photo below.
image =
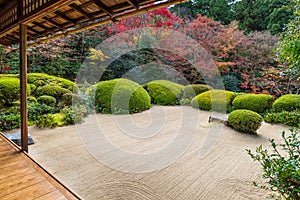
(163, 92)
(39, 79)
(190, 91)
(10, 90)
(284, 117)
(54, 91)
(47, 100)
(121, 96)
(215, 100)
(255, 102)
(287, 102)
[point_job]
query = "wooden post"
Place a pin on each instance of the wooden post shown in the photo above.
(23, 85)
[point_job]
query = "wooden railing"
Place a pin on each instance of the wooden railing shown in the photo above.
(17, 11)
(8, 17)
(30, 6)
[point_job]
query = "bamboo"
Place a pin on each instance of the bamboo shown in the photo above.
(23, 87)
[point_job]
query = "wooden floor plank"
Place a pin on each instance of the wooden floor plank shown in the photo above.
(22, 178)
(32, 192)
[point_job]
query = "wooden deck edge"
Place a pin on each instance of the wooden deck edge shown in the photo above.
(67, 192)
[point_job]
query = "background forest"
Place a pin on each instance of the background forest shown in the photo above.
(255, 45)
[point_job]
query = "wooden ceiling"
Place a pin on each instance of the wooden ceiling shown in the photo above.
(45, 18)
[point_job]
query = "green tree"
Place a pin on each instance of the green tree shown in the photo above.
(219, 10)
(261, 15)
(289, 47)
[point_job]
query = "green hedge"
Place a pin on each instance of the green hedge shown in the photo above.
(255, 102)
(54, 91)
(287, 102)
(121, 96)
(47, 100)
(245, 120)
(190, 91)
(10, 90)
(216, 100)
(163, 92)
(284, 117)
(39, 79)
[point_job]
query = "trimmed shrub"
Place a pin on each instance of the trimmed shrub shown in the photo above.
(9, 121)
(245, 121)
(163, 92)
(287, 102)
(216, 100)
(31, 99)
(39, 79)
(121, 96)
(10, 90)
(190, 91)
(284, 117)
(50, 120)
(255, 102)
(47, 100)
(54, 91)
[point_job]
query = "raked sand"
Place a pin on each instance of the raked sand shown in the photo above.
(164, 153)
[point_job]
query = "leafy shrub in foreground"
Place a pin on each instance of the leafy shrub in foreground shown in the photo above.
(9, 121)
(121, 96)
(216, 100)
(255, 102)
(50, 120)
(54, 91)
(163, 92)
(10, 90)
(287, 102)
(190, 91)
(281, 167)
(47, 100)
(35, 110)
(245, 121)
(284, 117)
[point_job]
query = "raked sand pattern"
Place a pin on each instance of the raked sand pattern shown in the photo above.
(226, 172)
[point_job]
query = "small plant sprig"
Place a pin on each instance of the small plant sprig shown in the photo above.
(281, 167)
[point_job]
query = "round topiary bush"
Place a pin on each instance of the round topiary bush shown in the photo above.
(39, 79)
(287, 102)
(10, 90)
(255, 102)
(163, 92)
(47, 100)
(216, 100)
(54, 91)
(121, 96)
(190, 91)
(245, 121)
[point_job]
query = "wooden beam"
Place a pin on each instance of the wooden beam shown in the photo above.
(23, 87)
(34, 31)
(103, 7)
(42, 26)
(133, 3)
(54, 23)
(83, 12)
(62, 15)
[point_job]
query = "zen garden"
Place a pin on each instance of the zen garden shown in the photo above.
(246, 88)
